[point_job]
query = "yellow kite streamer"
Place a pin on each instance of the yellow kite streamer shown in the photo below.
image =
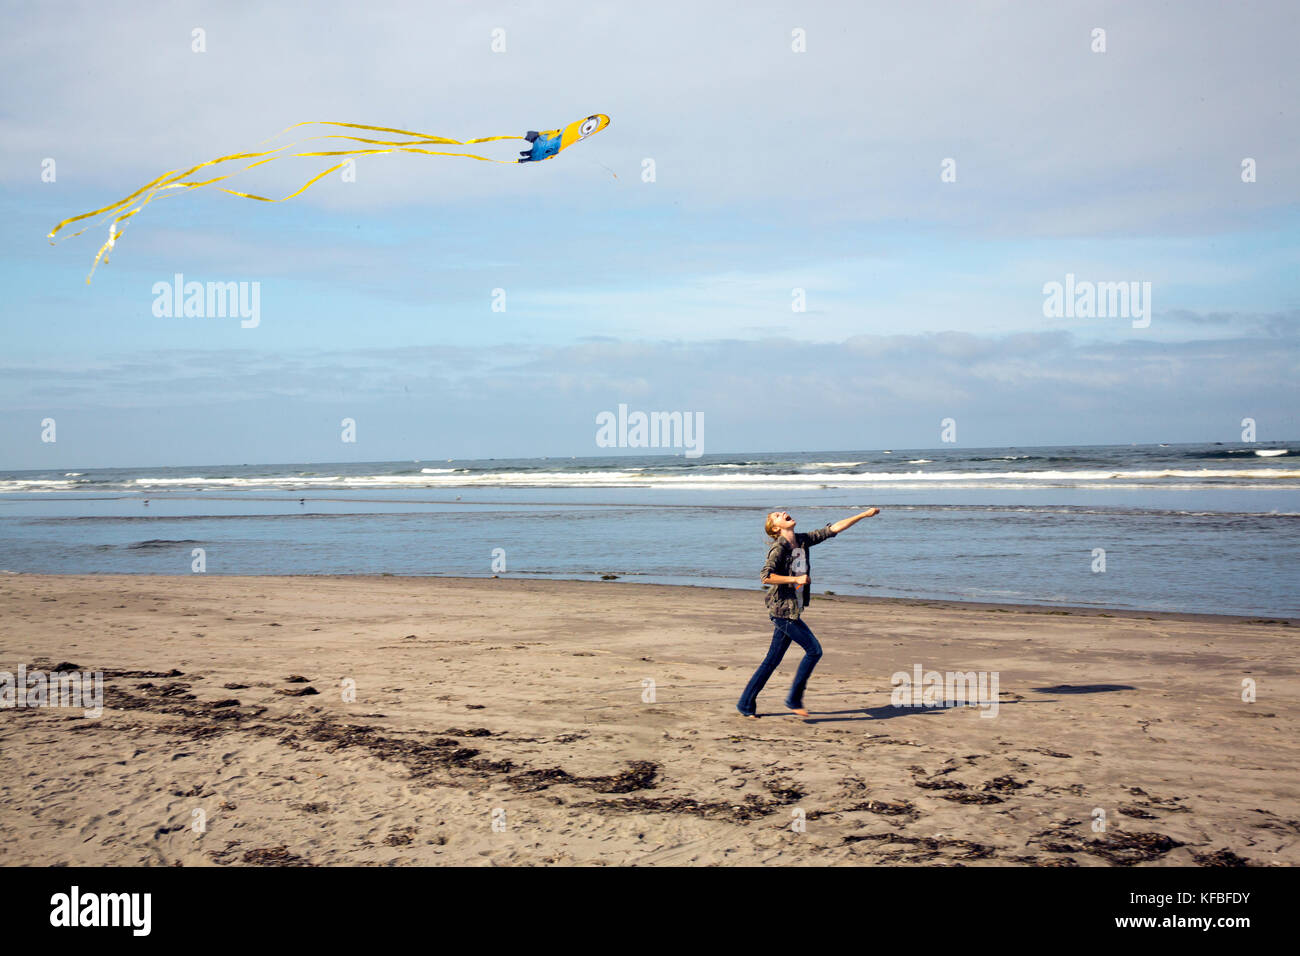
(543, 146)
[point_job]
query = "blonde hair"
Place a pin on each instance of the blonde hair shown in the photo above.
(767, 527)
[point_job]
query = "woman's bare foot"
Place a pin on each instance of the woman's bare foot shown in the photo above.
(801, 711)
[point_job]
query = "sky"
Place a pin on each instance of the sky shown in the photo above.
(912, 174)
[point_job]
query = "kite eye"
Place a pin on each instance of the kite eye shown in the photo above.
(589, 126)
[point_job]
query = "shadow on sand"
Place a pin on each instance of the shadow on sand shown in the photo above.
(889, 712)
(882, 713)
(1082, 688)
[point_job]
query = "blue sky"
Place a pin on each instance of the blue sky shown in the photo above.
(775, 170)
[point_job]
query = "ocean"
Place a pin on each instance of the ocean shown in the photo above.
(1210, 528)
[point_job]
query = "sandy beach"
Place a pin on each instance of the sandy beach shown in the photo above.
(513, 722)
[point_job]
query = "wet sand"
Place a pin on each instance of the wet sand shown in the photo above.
(510, 722)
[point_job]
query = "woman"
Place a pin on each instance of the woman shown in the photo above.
(787, 577)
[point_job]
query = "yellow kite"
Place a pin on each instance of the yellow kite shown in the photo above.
(544, 145)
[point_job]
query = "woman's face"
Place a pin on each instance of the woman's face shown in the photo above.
(781, 520)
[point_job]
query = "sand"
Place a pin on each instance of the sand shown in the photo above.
(506, 722)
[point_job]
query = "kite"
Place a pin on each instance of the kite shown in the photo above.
(544, 145)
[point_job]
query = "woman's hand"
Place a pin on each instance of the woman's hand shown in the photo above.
(800, 579)
(847, 523)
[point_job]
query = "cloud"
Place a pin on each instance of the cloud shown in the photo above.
(1271, 325)
(1049, 137)
(773, 394)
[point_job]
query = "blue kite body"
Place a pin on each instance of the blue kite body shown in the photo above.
(545, 145)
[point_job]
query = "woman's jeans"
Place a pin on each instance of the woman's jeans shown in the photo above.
(785, 632)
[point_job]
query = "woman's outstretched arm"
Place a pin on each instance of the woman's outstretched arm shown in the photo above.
(847, 523)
